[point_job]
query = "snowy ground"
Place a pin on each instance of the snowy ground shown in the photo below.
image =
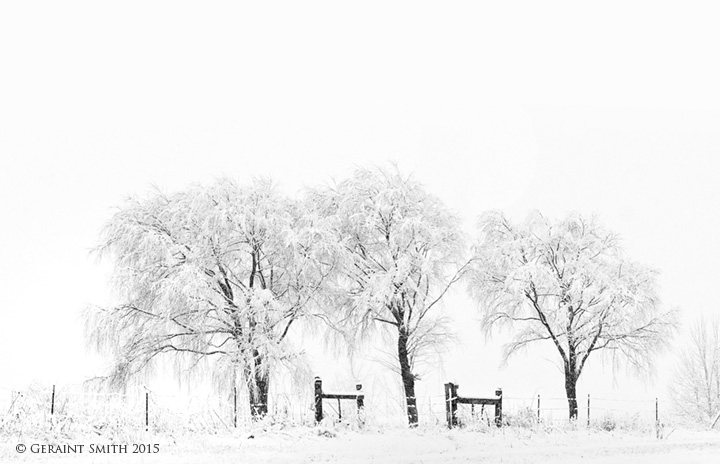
(304, 444)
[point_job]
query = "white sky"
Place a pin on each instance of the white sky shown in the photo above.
(613, 109)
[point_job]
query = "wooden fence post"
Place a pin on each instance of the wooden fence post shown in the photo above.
(318, 400)
(538, 409)
(657, 419)
(360, 398)
(52, 402)
(451, 404)
(454, 403)
(147, 409)
(498, 408)
(448, 416)
(360, 404)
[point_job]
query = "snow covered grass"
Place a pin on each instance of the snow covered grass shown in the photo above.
(275, 444)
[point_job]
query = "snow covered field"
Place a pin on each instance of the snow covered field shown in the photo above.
(306, 444)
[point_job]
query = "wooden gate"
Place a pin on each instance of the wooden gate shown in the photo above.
(452, 400)
(359, 398)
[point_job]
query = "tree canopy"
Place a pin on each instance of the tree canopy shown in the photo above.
(220, 271)
(567, 283)
(400, 249)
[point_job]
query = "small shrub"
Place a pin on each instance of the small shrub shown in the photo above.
(607, 424)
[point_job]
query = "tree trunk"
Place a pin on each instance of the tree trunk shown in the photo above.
(408, 378)
(258, 387)
(571, 392)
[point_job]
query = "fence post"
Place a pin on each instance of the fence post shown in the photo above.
(498, 408)
(235, 405)
(588, 411)
(538, 408)
(360, 397)
(447, 405)
(147, 409)
(52, 402)
(360, 404)
(318, 400)
(657, 419)
(451, 404)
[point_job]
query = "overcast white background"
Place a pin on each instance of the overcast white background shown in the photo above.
(612, 109)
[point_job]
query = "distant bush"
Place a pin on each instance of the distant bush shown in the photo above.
(607, 424)
(525, 418)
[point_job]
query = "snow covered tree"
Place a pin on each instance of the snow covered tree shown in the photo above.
(695, 384)
(567, 283)
(217, 273)
(399, 251)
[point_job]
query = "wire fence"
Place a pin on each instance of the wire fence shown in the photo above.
(72, 410)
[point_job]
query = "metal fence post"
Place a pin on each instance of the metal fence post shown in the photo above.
(235, 405)
(588, 411)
